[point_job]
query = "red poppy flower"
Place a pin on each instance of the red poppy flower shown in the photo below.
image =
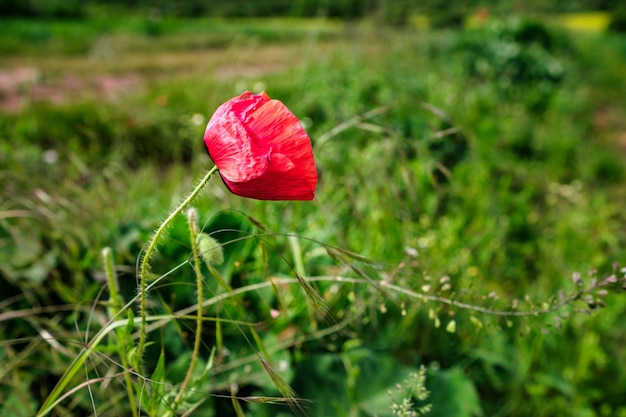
(261, 149)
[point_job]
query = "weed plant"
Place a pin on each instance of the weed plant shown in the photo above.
(461, 257)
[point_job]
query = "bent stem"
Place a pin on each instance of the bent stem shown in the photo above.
(145, 262)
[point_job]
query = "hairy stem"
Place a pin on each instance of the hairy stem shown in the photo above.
(193, 232)
(145, 262)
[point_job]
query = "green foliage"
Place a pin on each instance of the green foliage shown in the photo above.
(516, 56)
(104, 133)
(358, 381)
(454, 394)
(618, 21)
(462, 173)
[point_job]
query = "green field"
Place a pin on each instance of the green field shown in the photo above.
(468, 226)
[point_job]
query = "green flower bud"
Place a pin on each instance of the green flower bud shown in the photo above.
(210, 250)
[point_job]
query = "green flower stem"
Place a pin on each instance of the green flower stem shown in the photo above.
(193, 233)
(143, 274)
(56, 396)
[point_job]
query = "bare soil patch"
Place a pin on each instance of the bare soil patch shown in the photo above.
(61, 80)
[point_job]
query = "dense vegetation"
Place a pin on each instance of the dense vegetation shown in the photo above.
(468, 179)
(345, 9)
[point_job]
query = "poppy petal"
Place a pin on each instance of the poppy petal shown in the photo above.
(261, 149)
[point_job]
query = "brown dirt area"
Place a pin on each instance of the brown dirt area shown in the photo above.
(62, 80)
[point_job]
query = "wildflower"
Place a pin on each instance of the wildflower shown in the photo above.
(261, 149)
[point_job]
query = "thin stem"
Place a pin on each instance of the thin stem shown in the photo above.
(193, 232)
(53, 399)
(143, 274)
(160, 320)
(395, 288)
(115, 306)
(115, 300)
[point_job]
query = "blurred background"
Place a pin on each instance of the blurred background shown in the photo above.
(470, 152)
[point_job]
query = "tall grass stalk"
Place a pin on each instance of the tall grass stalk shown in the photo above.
(114, 308)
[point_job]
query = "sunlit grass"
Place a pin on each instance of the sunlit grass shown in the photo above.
(588, 22)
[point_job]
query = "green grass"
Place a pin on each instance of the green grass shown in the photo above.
(462, 166)
(76, 37)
